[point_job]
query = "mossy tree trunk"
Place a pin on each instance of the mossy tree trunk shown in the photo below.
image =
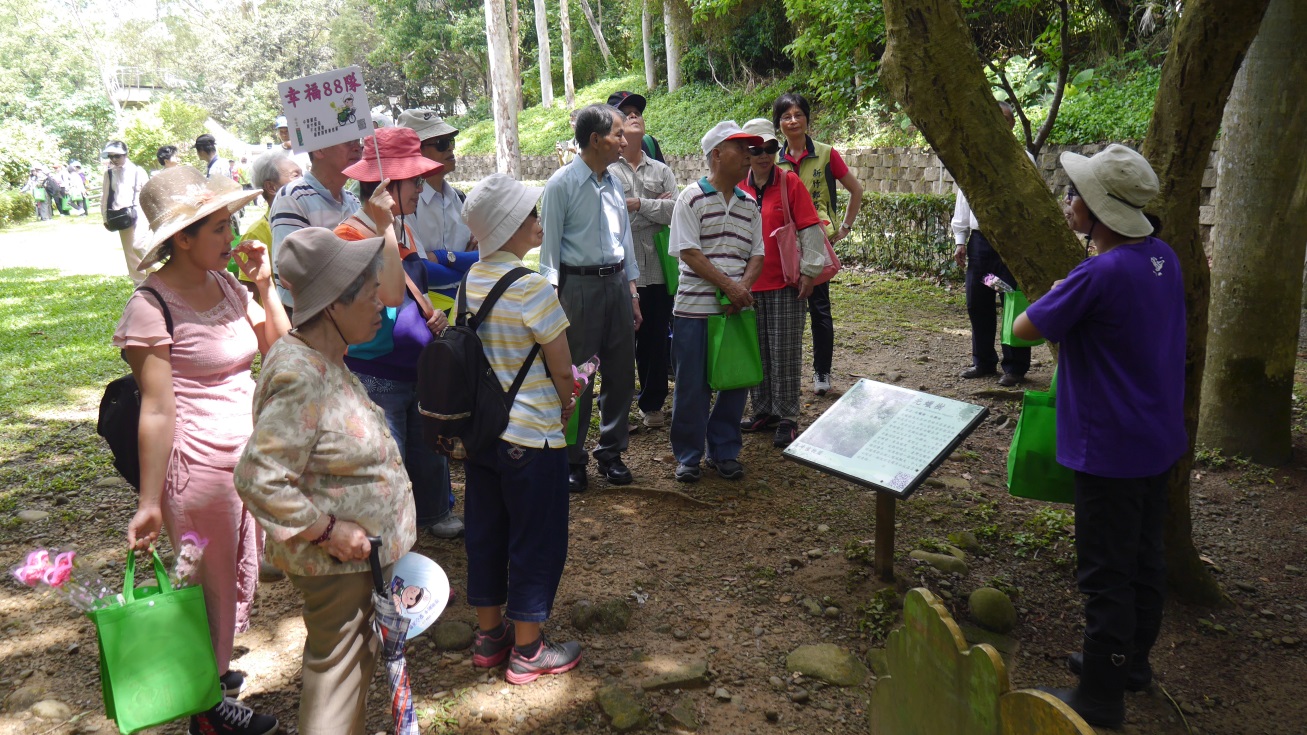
(542, 44)
(508, 151)
(672, 40)
(1258, 244)
(565, 21)
(931, 67)
(646, 35)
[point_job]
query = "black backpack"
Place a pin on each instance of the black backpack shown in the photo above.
(120, 414)
(464, 408)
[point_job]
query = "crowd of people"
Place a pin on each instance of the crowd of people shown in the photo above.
(334, 290)
(60, 190)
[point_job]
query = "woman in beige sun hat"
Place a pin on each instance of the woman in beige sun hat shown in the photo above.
(190, 333)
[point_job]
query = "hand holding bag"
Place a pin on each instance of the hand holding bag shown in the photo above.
(156, 659)
(787, 244)
(734, 358)
(1032, 467)
(1014, 305)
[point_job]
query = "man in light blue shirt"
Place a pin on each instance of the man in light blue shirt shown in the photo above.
(587, 254)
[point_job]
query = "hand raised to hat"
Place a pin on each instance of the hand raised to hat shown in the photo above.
(254, 263)
(379, 207)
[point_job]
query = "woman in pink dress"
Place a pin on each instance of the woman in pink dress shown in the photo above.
(196, 398)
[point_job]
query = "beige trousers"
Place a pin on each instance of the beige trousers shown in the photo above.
(133, 250)
(340, 652)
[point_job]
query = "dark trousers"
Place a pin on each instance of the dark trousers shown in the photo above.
(982, 302)
(651, 346)
(1120, 562)
(823, 329)
(602, 323)
(515, 515)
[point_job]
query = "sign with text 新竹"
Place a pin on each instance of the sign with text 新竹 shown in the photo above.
(326, 109)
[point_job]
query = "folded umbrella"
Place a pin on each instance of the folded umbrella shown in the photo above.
(392, 629)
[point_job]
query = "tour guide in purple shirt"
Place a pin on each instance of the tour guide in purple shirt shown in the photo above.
(1120, 320)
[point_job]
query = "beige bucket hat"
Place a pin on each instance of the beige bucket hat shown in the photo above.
(1116, 184)
(495, 208)
(317, 265)
(180, 196)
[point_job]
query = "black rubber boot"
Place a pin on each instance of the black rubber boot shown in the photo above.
(1140, 676)
(1100, 698)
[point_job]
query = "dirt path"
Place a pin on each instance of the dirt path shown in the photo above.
(729, 581)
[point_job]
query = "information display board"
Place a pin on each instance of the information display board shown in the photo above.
(885, 437)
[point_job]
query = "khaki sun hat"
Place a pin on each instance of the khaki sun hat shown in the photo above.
(425, 123)
(1116, 184)
(180, 196)
(495, 208)
(317, 265)
(761, 127)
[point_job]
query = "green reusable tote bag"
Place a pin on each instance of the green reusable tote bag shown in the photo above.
(1032, 468)
(734, 360)
(1014, 305)
(670, 263)
(156, 659)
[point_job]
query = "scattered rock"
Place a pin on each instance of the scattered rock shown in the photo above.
(955, 552)
(993, 609)
(52, 709)
(815, 553)
(942, 562)
(622, 709)
(1289, 641)
(878, 660)
(955, 483)
(1291, 569)
(1246, 587)
(964, 540)
(812, 607)
(722, 695)
(680, 634)
(489, 716)
(682, 715)
(822, 528)
(772, 715)
(934, 482)
(108, 482)
(800, 696)
(451, 635)
(831, 612)
(612, 616)
(26, 696)
(827, 662)
(32, 516)
(705, 634)
(1007, 646)
(894, 377)
(690, 676)
(777, 683)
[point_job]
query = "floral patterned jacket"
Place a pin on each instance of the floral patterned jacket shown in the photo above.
(320, 445)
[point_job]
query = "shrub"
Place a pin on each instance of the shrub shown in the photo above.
(16, 208)
(903, 232)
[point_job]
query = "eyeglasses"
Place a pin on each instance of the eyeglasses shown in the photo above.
(1071, 193)
(770, 149)
(440, 144)
(116, 156)
(793, 117)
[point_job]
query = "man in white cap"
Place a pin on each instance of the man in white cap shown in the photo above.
(717, 234)
(123, 181)
(442, 236)
(587, 253)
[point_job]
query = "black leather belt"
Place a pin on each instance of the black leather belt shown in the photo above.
(594, 270)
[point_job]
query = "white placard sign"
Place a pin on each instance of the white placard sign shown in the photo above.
(325, 109)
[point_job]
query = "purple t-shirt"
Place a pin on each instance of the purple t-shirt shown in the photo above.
(1120, 320)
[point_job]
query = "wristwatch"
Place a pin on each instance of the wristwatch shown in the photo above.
(846, 226)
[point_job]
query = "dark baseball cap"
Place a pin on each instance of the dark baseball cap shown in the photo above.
(627, 99)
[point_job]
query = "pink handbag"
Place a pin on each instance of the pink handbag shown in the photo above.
(787, 244)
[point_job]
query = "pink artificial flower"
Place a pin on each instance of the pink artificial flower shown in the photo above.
(191, 537)
(61, 570)
(33, 569)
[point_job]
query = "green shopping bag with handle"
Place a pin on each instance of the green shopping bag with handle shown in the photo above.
(1014, 305)
(1032, 468)
(670, 263)
(734, 358)
(156, 659)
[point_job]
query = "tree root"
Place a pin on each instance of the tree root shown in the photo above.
(646, 490)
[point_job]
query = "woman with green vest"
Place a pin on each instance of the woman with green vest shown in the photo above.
(819, 167)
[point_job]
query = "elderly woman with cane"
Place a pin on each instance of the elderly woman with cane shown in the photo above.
(1120, 320)
(322, 473)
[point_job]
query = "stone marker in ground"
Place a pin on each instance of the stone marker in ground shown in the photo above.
(622, 709)
(827, 662)
(451, 635)
(993, 610)
(52, 709)
(942, 562)
(693, 675)
(682, 715)
(610, 616)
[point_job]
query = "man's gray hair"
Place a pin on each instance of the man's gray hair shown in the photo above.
(264, 168)
(596, 118)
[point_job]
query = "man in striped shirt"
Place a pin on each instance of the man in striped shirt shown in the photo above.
(319, 199)
(717, 234)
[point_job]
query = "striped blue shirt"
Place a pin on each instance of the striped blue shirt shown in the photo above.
(306, 203)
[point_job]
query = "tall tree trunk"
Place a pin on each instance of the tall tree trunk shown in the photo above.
(542, 43)
(508, 153)
(1119, 13)
(515, 31)
(565, 20)
(646, 33)
(599, 32)
(671, 33)
(932, 68)
(1258, 245)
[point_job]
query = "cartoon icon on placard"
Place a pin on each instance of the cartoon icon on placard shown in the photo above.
(420, 590)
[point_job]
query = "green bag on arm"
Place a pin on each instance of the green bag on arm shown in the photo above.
(670, 263)
(1014, 305)
(156, 658)
(1032, 468)
(734, 358)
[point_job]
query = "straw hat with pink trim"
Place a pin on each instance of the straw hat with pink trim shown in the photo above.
(401, 157)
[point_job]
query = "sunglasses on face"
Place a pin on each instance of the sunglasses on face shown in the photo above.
(116, 157)
(440, 144)
(1071, 193)
(770, 149)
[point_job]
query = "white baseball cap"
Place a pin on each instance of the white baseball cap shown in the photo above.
(724, 131)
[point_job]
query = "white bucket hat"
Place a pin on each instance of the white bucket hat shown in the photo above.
(495, 208)
(1116, 184)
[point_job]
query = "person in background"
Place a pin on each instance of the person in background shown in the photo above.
(978, 257)
(782, 310)
(566, 150)
(167, 157)
(387, 366)
(206, 148)
(269, 172)
(196, 390)
(75, 181)
(1119, 318)
(443, 239)
(717, 235)
(587, 253)
(283, 138)
(517, 489)
(629, 103)
(56, 187)
(124, 180)
(819, 167)
(321, 473)
(35, 186)
(650, 188)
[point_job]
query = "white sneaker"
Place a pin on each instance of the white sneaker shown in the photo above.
(449, 528)
(653, 419)
(821, 383)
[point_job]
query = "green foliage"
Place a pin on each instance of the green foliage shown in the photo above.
(16, 208)
(841, 41)
(1210, 457)
(171, 121)
(904, 232)
(1044, 529)
(932, 544)
(863, 553)
(735, 41)
(21, 146)
(879, 616)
